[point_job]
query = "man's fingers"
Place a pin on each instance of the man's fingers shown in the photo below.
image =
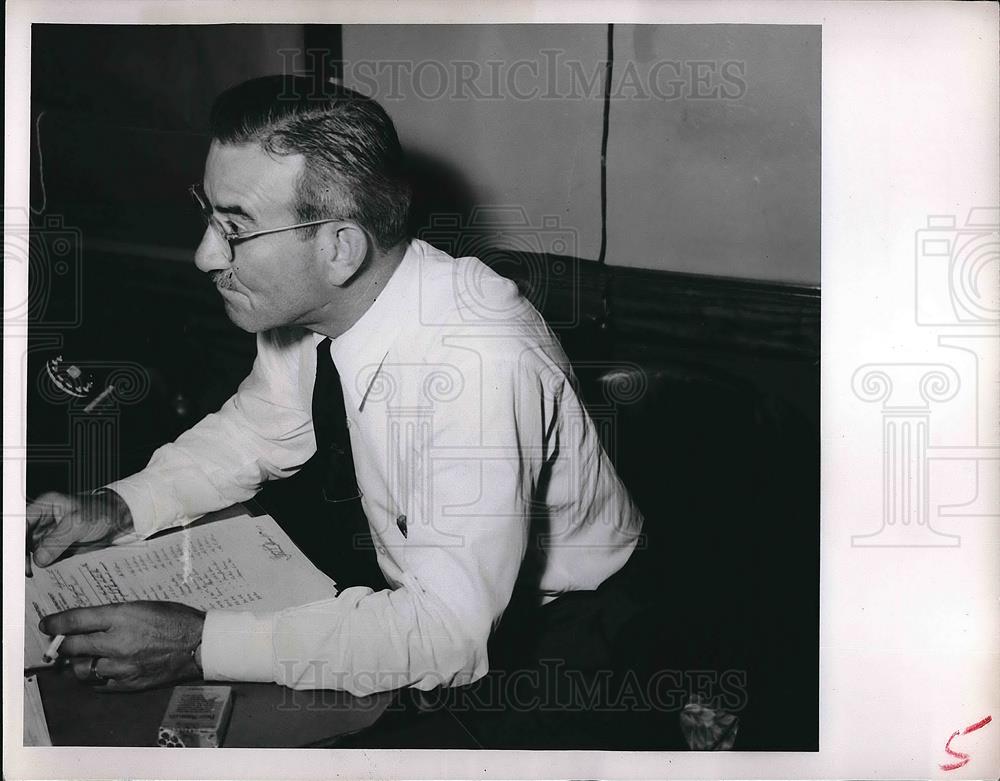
(40, 529)
(78, 620)
(81, 668)
(58, 537)
(38, 525)
(48, 505)
(114, 671)
(85, 646)
(37, 509)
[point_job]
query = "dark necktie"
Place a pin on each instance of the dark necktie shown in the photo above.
(330, 425)
(347, 554)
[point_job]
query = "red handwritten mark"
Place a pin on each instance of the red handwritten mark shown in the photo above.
(963, 759)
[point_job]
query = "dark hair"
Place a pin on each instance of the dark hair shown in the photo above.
(354, 163)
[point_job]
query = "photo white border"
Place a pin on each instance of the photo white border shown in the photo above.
(909, 635)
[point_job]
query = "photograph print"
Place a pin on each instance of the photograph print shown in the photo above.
(423, 386)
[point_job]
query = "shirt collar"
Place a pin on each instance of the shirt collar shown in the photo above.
(358, 353)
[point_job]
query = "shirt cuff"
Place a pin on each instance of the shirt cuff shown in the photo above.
(135, 494)
(237, 645)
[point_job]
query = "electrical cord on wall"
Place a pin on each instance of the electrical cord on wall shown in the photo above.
(41, 170)
(606, 118)
(609, 66)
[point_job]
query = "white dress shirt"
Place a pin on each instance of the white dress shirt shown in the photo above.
(467, 434)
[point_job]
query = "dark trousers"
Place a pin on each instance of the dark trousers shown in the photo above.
(610, 668)
(590, 670)
(613, 668)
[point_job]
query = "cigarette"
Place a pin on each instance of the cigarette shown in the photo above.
(53, 650)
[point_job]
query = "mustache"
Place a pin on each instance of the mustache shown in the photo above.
(222, 279)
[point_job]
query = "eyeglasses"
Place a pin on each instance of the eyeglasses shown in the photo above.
(235, 237)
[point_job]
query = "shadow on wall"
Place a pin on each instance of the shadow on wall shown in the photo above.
(439, 188)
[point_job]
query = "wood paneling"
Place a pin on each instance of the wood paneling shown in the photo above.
(660, 309)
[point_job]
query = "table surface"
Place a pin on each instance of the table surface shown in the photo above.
(263, 715)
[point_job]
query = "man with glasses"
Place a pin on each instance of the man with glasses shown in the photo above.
(460, 448)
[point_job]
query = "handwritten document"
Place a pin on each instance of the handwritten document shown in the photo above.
(241, 563)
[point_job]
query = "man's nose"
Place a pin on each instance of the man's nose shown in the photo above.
(212, 253)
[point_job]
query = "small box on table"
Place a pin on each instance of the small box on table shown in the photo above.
(196, 717)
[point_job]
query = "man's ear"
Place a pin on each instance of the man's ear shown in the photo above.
(342, 247)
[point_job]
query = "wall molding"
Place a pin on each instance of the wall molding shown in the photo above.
(671, 310)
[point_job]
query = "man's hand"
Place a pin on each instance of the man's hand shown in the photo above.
(137, 645)
(58, 522)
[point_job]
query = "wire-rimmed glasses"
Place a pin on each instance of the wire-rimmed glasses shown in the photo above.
(235, 237)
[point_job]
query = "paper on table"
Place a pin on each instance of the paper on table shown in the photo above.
(237, 563)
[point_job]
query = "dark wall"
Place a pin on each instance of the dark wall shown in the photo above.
(152, 76)
(119, 117)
